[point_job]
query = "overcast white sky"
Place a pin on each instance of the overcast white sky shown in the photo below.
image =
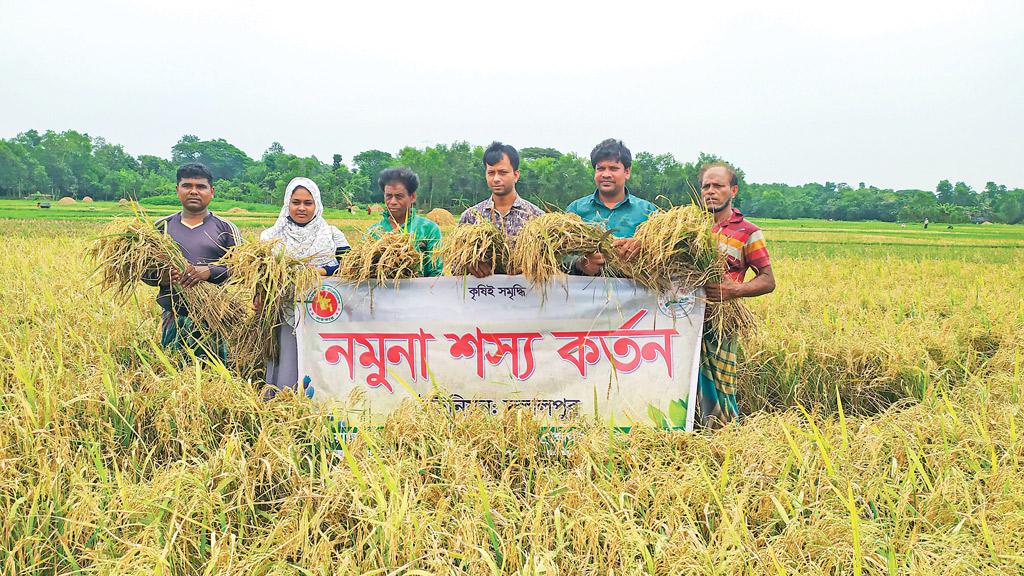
(894, 93)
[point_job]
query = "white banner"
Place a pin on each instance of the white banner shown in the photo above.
(584, 346)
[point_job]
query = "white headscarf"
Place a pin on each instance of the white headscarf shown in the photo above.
(317, 239)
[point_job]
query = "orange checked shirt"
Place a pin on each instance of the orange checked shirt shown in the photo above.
(743, 245)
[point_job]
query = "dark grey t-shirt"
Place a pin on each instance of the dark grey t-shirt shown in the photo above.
(201, 246)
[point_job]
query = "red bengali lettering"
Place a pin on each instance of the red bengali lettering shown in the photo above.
(380, 349)
(585, 348)
(515, 346)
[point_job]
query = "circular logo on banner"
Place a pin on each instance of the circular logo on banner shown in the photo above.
(677, 302)
(325, 304)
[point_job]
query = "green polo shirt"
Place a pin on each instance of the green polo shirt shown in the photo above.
(622, 219)
(425, 234)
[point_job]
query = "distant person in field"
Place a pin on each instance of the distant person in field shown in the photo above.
(399, 188)
(305, 234)
(611, 205)
(203, 238)
(744, 247)
(925, 223)
(505, 207)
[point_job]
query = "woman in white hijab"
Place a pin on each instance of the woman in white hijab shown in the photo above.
(305, 234)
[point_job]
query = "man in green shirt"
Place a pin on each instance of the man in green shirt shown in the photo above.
(611, 205)
(399, 188)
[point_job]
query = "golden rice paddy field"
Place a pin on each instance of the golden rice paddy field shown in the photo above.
(882, 435)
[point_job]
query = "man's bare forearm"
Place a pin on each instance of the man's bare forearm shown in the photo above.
(759, 285)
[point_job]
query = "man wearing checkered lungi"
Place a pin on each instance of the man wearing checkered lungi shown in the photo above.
(744, 247)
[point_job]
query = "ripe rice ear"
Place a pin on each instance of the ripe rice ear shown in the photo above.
(545, 242)
(127, 249)
(261, 271)
(392, 256)
(130, 248)
(472, 245)
(676, 247)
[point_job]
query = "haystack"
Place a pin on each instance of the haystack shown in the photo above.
(87, 199)
(237, 210)
(441, 217)
(66, 200)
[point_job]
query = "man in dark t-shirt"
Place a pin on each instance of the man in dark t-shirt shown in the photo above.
(203, 238)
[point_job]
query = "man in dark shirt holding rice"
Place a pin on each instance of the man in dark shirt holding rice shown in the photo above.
(203, 238)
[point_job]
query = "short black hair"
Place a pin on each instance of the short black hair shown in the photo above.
(611, 149)
(405, 176)
(733, 180)
(496, 151)
(194, 170)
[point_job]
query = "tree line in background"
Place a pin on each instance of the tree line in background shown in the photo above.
(451, 176)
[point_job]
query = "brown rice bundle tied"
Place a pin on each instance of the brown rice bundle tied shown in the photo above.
(546, 243)
(392, 256)
(130, 248)
(264, 281)
(470, 246)
(678, 249)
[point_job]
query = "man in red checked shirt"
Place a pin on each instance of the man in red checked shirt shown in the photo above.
(745, 249)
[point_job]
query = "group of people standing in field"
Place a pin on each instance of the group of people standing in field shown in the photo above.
(204, 237)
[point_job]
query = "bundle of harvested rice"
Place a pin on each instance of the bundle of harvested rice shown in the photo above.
(262, 273)
(391, 256)
(473, 245)
(441, 217)
(545, 242)
(263, 268)
(676, 247)
(130, 248)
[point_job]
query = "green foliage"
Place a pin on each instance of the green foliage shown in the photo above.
(451, 176)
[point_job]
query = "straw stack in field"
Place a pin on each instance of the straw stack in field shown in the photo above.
(546, 241)
(441, 217)
(391, 256)
(472, 245)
